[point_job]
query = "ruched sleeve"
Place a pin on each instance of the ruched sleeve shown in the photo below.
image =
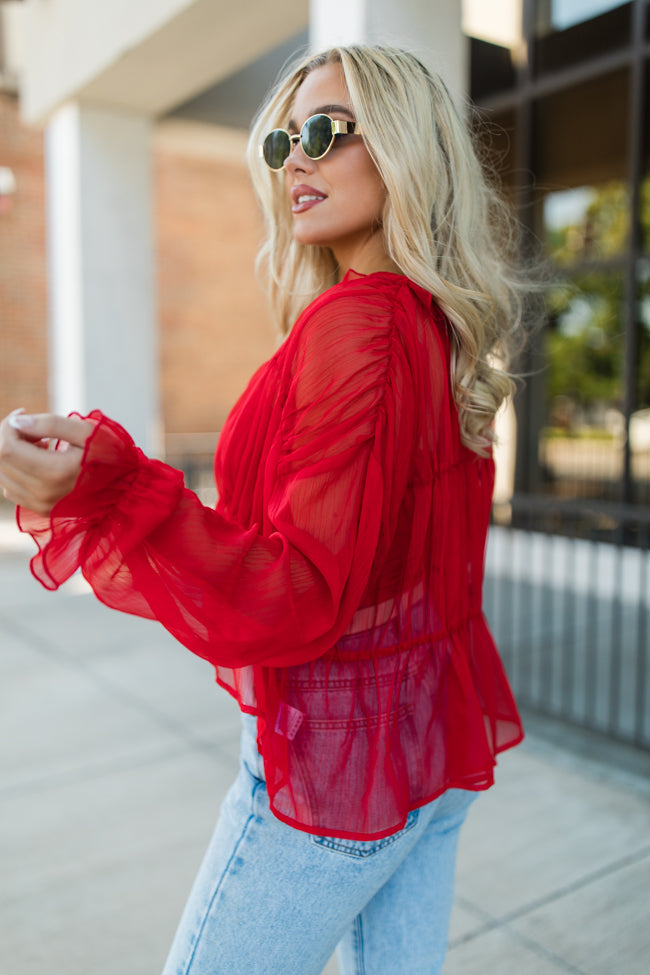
(275, 573)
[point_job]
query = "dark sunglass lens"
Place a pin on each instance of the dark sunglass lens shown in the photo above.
(316, 136)
(276, 147)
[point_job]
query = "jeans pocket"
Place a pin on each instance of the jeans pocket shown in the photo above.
(364, 848)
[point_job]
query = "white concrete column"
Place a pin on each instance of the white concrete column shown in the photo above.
(429, 28)
(101, 269)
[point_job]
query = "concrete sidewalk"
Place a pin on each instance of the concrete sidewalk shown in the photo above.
(117, 749)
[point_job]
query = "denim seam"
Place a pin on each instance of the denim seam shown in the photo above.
(348, 848)
(358, 945)
(224, 874)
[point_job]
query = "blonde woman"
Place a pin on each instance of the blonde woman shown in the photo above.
(337, 585)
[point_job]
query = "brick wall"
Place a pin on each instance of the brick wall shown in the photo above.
(214, 329)
(23, 297)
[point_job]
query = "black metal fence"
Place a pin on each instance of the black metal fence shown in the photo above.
(567, 595)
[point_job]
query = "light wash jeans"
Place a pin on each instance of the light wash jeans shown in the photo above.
(272, 900)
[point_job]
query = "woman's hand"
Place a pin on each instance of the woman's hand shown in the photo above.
(32, 473)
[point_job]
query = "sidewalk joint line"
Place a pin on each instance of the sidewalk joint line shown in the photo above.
(119, 693)
(496, 924)
(542, 952)
(585, 881)
(92, 771)
(504, 922)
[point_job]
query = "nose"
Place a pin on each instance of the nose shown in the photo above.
(297, 160)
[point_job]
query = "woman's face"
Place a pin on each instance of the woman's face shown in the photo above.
(336, 201)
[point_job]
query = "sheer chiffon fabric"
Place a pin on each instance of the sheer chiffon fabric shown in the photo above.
(336, 587)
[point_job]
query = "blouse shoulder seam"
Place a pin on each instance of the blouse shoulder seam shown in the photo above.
(382, 381)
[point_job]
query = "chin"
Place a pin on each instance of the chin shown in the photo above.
(303, 236)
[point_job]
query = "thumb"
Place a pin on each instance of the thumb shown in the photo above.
(49, 426)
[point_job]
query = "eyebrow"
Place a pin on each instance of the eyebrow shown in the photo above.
(325, 110)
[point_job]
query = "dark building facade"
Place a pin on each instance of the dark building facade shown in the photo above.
(570, 128)
(568, 574)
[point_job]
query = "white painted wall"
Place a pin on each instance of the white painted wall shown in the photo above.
(144, 55)
(496, 21)
(71, 41)
(432, 30)
(12, 38)
(100, 250)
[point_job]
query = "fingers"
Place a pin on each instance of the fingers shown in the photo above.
(30, 476)
(39, 484)
(11, 490)
(35, 427)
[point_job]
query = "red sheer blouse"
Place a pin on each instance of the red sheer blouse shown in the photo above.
(336, 586)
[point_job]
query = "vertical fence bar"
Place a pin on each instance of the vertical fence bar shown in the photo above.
(534, 598)
(577, 644)
(528, 618)
(591, 649)
(547, 625)
(510, 626)
(569, 629)
(524, 607)
(641, 662)
(615, 648)
(509, 631)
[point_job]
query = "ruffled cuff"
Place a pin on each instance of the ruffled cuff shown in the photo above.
(120, 495)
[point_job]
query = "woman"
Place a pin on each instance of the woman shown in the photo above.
(337, 585)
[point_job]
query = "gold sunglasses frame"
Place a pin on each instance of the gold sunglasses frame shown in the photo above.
(339, 127)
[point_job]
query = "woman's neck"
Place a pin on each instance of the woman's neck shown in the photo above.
(365, 257)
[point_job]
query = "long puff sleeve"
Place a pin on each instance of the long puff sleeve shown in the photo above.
(274, 574)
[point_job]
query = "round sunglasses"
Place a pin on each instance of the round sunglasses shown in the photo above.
(316, 138)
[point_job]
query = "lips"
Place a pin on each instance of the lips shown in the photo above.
(305, 197)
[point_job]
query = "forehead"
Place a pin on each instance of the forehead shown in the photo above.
(323, 86)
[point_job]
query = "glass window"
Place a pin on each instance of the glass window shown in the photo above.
(645, 184)
(570, 31)
(582, 443)
(583, 217)
(640, 419)
(643, 369)
(588, 223)
(645, 214)
(495, 139)
(560, 14)
(581, 134)
(496, 44)
(491, 68)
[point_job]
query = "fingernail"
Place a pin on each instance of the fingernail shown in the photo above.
(21, 421)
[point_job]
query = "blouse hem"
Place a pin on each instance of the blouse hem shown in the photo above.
(390, 831)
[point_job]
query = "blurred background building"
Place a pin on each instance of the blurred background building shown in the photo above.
(128, 234)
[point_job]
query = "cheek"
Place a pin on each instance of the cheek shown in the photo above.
(363, 185)
(374, 191)
(369, 203)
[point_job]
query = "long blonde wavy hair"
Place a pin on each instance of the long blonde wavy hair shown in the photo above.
(444, 224)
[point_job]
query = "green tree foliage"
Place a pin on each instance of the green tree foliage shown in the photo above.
(585, 339)
(584, 346)
(603, 231)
